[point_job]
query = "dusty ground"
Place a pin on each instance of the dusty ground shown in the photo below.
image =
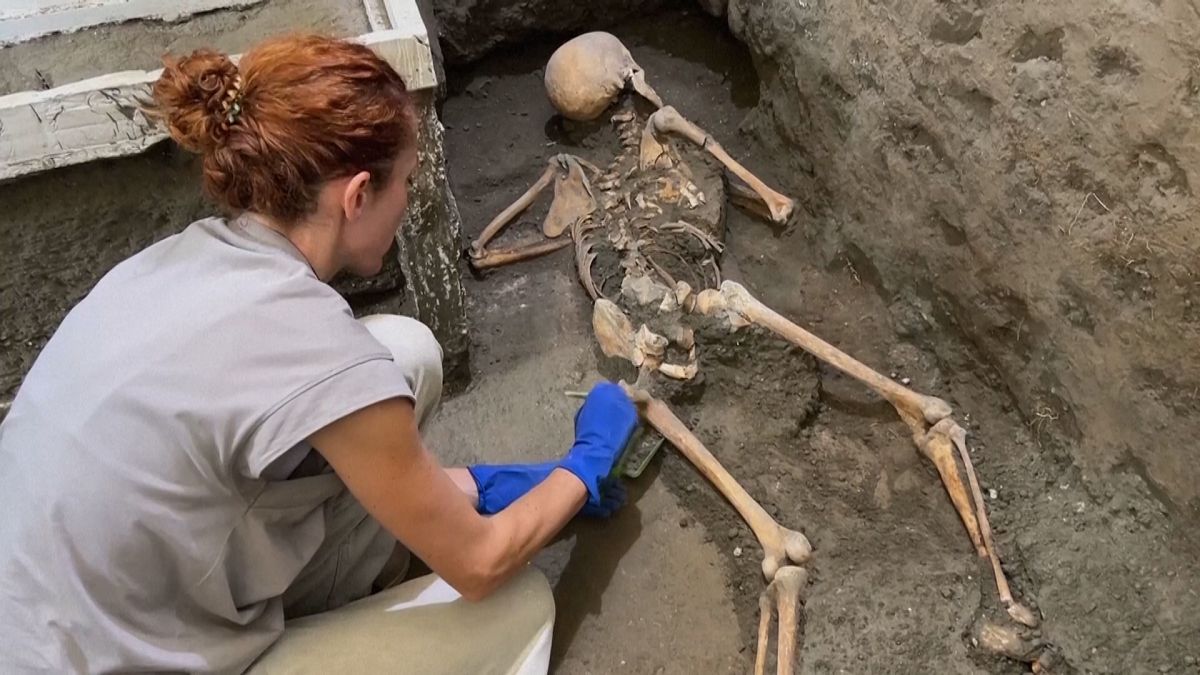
(896, 587)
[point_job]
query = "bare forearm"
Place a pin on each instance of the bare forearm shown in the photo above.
(377, 451)
(517, 533)
(462, 478)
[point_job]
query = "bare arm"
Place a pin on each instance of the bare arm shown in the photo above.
(378, 452)
(462, 478)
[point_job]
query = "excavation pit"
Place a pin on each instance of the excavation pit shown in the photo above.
(896, 585)
(972, 219)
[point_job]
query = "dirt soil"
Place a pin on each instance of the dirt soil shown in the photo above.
(1101, 555)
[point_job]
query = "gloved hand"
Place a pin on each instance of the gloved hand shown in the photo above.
(603, 426)
(499, 485)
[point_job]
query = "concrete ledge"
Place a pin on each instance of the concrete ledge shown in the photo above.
(100, 117)
(22, 20)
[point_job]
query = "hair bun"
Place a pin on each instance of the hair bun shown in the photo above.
(192, 98)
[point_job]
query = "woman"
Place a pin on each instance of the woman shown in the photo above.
(211, 442)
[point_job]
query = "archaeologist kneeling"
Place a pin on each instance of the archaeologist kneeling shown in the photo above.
(211, 446)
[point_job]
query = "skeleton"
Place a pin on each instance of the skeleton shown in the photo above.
(655, 215)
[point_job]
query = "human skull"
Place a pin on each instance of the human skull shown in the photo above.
(587, 73)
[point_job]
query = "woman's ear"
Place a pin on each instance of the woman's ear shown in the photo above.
(354, 196)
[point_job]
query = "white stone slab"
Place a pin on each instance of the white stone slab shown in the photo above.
(100, 117)
(22, 20)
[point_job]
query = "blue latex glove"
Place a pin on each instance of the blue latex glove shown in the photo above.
(603, 426)
(500, 485)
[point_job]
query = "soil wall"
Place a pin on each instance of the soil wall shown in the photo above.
(469, 29)
(1018, 179)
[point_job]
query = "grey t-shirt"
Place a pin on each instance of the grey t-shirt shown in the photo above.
(137, 527)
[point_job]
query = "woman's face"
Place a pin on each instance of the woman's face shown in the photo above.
(367, 238)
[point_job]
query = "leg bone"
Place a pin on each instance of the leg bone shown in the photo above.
(938, 449)
(668, 120)
(764, 631)
(785, 590)
(1016, 610)
(735, 299)
(937, 441)
(780, 545)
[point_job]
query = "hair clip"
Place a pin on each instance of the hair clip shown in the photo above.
(233, 101)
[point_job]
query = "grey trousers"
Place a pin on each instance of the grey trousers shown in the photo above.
(334, 623)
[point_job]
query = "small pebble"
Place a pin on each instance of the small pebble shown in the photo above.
(684, 522)
(737, 551)
(906, 381)
(690, 488)
(947, 593)
(1189, 660)
(733, 533)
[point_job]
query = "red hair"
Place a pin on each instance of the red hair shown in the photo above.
(296, 112)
